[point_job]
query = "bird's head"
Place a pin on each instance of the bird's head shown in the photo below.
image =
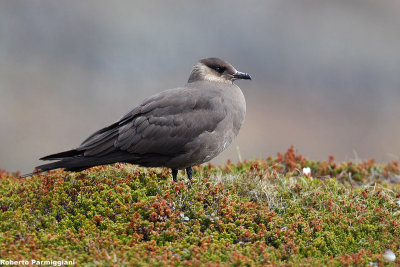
(216, 70)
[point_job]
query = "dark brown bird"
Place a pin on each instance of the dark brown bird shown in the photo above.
(177, 128)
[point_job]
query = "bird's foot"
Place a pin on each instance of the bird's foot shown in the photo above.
(174, 174)
(189, 172)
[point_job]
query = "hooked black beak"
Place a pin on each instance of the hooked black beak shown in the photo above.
(242, 75)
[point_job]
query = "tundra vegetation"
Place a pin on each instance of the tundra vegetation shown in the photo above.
(256, 212)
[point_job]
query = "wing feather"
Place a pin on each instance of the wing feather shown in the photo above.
(162, 125)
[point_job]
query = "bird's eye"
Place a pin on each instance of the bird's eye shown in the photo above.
(220, 69)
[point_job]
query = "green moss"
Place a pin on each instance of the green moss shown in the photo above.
(256, 212)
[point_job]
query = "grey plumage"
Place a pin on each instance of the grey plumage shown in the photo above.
(177, 128)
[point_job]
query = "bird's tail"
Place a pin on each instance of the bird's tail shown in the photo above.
(64, 154)
(71, 164)
(78, 163)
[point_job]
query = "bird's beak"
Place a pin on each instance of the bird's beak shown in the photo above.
(242, 75)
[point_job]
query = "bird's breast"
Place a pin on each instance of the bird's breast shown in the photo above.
(233, 105)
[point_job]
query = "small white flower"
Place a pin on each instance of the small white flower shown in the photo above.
(307, 171)
(373, 264)
(398, 202)
(389, 255)
(185, 218)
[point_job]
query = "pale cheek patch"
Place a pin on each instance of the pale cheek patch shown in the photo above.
(210, 76)
(202, 72)
(213, 78)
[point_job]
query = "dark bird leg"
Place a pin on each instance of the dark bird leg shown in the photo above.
(174, 174)
(189, 172)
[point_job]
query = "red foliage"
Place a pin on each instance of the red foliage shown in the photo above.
(291, 160)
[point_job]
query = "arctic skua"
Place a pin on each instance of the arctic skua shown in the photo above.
(178, 128)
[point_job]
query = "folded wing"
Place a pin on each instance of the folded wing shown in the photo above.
(160, 127)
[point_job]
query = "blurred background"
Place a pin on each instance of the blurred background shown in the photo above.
(326, 74)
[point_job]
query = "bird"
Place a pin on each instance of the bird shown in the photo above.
(178, 128)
